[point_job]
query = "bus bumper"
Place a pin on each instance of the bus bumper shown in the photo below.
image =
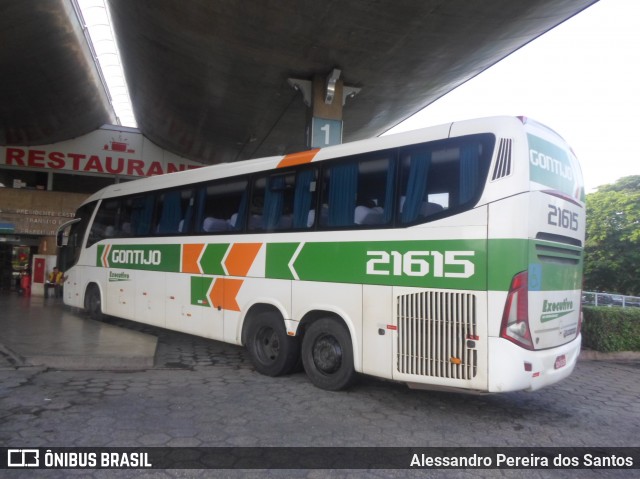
(512, 368)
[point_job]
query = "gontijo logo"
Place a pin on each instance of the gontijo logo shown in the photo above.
(137, 256)
(143, 257)
(130, 256)
(551, 165)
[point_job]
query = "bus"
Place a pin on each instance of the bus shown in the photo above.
(445, 258)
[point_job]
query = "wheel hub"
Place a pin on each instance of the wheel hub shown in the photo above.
(327, 354)
(268, 344)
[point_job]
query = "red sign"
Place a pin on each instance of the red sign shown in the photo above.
(111, 165)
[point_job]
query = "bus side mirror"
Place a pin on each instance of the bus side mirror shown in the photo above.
(61, 238)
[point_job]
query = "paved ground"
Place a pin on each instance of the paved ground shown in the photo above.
(205, 393)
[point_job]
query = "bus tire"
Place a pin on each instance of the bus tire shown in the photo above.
(272, 351)
(93, 303)
(327, 355)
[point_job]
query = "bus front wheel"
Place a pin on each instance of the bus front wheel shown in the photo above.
(272, 351)
(327, 355)
(93, 303)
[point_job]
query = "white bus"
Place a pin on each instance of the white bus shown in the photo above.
(445, 258)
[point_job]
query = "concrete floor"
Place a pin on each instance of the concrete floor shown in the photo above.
(37, 331)
(202, 394)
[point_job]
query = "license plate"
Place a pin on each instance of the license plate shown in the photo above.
(561, 361)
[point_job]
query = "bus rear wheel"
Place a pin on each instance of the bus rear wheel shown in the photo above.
(272, 351)
(93, 303)
(327, 355)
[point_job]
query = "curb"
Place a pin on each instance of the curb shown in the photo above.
(14, 358)
(78, 361)
(590, 355)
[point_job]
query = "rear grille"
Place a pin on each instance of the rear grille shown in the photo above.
(559, 239)
(503, 163)
(558, 254)
(433, 330)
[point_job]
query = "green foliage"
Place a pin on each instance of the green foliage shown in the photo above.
(611, 329)
(612, 249)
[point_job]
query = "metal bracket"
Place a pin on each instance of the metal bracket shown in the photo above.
(349, 92)
(303, 86)
(306, 88)
(330, 86)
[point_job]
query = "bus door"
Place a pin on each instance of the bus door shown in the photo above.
(190, 306)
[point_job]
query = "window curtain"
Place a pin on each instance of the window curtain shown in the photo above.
(389, 192)
(343, 188)
(242, 211)
(302, 198)
(416, 185)
(142, 215)
(171, 213)
(188, 214)
(273, 202)
(201, 203)
(468, 171)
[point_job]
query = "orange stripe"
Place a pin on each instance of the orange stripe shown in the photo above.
(190, 255)
(241, 257)
(105, 256)
(299, 158)
(224, 292)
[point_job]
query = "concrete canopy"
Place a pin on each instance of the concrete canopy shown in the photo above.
(208, 79)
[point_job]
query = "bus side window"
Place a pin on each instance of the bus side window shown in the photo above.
(142, 209)
(444, 176)
(104, 224)
(358, 193)
(221, 206)
(176, 211)
(303, 201)
(256, 209)
(283, 201)
(339, 195)
(469, 170)
(124, 218)
(70, 254)
(415, 166)
(170, 212)
(376, 190)
(189, 198)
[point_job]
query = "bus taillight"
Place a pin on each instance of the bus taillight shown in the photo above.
(580, 318)
(515, 320)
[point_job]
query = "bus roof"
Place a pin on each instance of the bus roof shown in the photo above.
(224, 170)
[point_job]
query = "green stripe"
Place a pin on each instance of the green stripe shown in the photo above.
(455, 264)
(559, 266)
(199, 287)
(278, 257)
(446, 264)
(211, 260)
(157, 257)
(507, 257)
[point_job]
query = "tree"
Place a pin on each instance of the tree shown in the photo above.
(612, 249)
